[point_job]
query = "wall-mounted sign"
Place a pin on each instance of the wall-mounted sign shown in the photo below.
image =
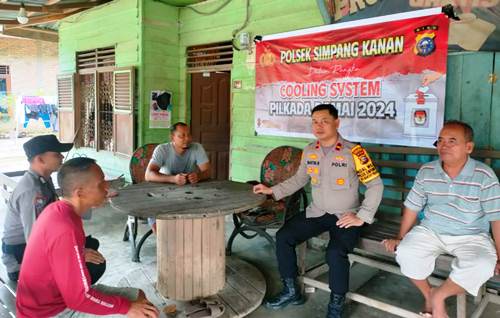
(385, 75)
(160, 110)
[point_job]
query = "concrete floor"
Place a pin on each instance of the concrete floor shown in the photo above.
(107, 225)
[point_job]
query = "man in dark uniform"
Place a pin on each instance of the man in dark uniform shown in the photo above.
(334, 167)
(32, 194)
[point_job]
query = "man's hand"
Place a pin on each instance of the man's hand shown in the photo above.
(497, 267)
(260, 188)
(193, 177)
(142, 308)
(391, 244)
(93, 256)
(349, 219)
(180, 179)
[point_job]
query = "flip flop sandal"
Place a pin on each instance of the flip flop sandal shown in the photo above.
(204, 308)
(216, 310)
(425, 314)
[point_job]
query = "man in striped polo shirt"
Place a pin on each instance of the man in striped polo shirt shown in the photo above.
(460, 199)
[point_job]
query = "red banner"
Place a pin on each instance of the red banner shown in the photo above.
(372, 70)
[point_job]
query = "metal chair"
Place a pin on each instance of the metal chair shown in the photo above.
(278, 165)
(138, 164)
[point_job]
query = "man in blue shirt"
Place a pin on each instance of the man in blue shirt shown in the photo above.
(460, 199)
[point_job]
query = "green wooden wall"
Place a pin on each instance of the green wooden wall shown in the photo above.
(266, 17)
(160, 64)
(154, 36)
(114, 23)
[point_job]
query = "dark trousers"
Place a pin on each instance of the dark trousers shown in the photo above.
(95, 270)
(17, 251)
(342, 241)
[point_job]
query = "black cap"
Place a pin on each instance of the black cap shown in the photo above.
(40, 144)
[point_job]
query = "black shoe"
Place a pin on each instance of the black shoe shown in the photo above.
(335, 306)
(289, 295)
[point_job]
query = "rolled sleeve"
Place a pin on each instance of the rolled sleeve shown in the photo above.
(373, 197)
(158, 157)
(490, 199)
(290, 186)
(27, 211)
(201, 155)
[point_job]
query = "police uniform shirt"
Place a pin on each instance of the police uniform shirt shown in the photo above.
(335, 178)
(31, 195)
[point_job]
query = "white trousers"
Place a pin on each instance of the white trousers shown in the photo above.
(474, 262)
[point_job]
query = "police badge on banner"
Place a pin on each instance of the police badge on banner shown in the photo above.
(385, 75)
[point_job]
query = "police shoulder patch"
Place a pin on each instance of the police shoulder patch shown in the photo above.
(363, 164)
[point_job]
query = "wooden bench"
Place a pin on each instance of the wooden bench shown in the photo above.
(398, 173)
(7, 183)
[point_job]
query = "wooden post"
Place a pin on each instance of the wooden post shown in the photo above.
(191, 257)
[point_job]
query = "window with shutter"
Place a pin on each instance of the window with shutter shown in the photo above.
(102, 103)
(210, 57)
(96, 58)
(4, 70)
(123, 117)
(66, 102)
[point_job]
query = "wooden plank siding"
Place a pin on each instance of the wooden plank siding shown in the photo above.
(154, 36)
(160, 64)
(113, 24)
(495, 105)
(266, 17)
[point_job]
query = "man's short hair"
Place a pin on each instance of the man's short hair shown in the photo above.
(331, 109)
(468, 131)
(71, 173)
(177, 124)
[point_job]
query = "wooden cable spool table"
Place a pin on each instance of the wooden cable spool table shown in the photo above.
(190, 230)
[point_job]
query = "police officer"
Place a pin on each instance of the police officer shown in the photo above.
(334, 167)
(32, 194)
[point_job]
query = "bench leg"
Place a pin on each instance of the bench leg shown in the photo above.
(481, 307)
(461, 306)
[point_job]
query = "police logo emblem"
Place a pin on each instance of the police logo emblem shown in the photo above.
(425, 44)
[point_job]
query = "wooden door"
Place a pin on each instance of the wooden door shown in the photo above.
(210, 119)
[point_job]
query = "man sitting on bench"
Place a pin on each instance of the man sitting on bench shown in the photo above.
(54, 280)
(459, 197)
(32, 194)
(335, 168)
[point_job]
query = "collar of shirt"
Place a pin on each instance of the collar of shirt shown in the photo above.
(467, 170)
(37, 176)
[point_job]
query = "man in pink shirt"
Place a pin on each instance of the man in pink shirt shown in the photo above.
(54, 280)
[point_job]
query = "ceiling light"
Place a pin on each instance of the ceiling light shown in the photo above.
(21, 16)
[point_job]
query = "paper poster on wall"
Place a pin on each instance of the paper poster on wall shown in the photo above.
(385, 75)
(160, 110)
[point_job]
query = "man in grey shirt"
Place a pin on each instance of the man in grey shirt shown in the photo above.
(32, 194)
(179, 161)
